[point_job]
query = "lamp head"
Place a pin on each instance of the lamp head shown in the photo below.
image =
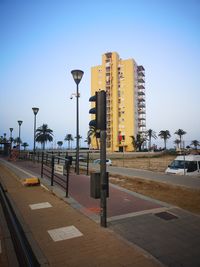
(11, 129)
(77, 75)
(20, 123)
(35, 110)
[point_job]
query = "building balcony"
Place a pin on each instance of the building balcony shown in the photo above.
(141, 93)
(108, 69)
(140, 68)
(141, 80)
(141, 105)
(141, 74)
(141, 118)
(142, 125)
(141, 86)
(141, 111)
(141, 99)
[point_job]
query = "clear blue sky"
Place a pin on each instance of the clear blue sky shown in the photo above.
(43, 40)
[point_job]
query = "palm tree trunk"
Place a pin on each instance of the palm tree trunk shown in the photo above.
(165, 141)
(149, 143)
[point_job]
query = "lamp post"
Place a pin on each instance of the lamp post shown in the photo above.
(77, 75)
(11, 129)
(20, 123)
(35, 111)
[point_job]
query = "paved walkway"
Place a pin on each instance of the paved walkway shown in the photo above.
(169, 234)
(62, 236)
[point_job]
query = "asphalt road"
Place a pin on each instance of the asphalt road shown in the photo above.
(181, 180)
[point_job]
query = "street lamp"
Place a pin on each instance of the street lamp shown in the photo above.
(11, 129)
(20, 123)
(77, 75)
(35, 111)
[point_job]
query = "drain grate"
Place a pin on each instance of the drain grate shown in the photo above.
(166, 216)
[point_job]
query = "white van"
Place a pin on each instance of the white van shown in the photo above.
(185, 165)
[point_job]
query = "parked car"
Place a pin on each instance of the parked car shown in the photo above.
(108, 162)
(188, 165)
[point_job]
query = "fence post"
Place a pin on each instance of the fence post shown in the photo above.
(46, 158)
(67, 178)
(42, 164)
(59, 157)
(87, 163)
(52, 169)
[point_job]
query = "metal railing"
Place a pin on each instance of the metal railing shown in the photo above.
(60, 177)
(23, 250)
(83, 160)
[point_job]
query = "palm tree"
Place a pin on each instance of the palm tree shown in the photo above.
(60, 143)
(25, 145)
(195, 143)
(93, 133)
(180, 133)
(17, 141)
(150, 134)
(1, 140)
(44, 134)
(133, 142)
(138, 141)
(69, 138)
(177, 142)
(164, 134)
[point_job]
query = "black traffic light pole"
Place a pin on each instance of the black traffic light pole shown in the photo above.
(103, 204)
(100, 124)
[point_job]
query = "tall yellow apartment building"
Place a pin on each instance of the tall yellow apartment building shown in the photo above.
(124, 83)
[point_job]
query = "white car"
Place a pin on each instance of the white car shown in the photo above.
(108, 162)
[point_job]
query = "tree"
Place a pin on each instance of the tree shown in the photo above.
(195, 143)
(180, 133)
(164, 134)
(149, 135)
(138, 141)
(17, 141)
(60, 143)
(69, 138)
(1, 140)
(177, 142)
(44, 134)
(25, 145)
(133, 142)
(93, 133)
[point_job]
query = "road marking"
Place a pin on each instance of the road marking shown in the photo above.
(42, 205)
(64, 233)
(134, 214)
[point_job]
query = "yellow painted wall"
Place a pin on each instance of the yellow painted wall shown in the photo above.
(126, 95)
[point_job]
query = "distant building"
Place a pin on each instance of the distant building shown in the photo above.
(124, 82)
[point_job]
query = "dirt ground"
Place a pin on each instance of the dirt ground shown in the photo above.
(158, 163)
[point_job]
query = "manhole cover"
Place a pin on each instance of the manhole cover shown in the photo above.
(166, 216)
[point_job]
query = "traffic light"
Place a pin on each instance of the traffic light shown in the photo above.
(99, 110)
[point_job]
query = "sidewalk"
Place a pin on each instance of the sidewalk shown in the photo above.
(144, 226)
(80, 242)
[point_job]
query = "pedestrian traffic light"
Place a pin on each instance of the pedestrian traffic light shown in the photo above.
(99, 110)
